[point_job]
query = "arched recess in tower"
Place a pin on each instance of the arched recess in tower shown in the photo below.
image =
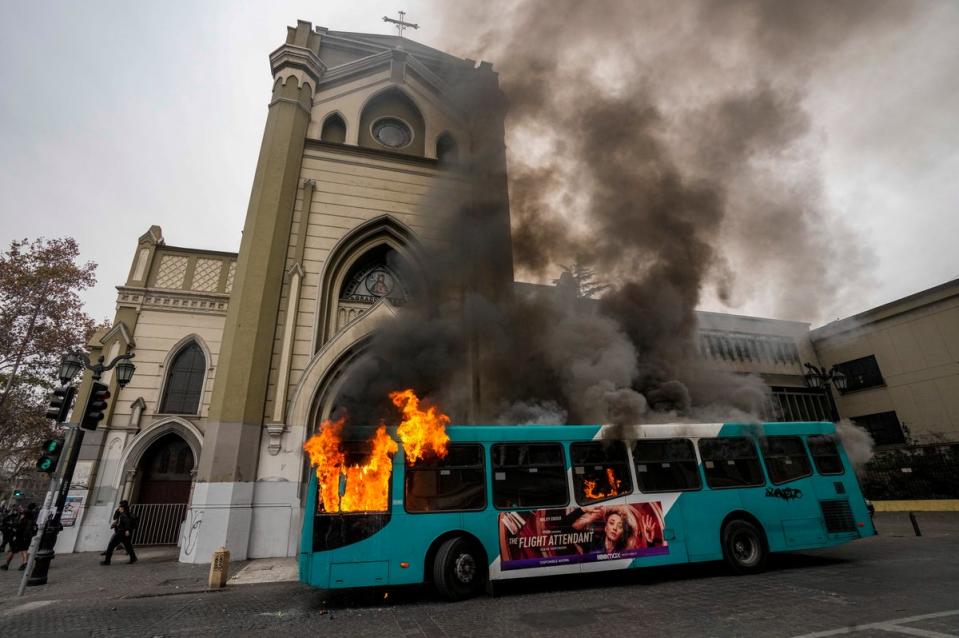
(391, 121)
(334, 129)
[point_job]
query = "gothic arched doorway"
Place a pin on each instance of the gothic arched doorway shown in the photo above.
(162, 490)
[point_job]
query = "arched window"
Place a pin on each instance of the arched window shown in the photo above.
(446, 151)
(376, 275)
(334, 129)
(390, 121)
(184, 383)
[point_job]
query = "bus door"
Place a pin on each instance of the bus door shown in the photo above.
(789, 502)
(535, 516)
(350, 518)
(667, 470)
(606, 526)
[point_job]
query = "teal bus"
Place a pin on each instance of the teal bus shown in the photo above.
(519, 501)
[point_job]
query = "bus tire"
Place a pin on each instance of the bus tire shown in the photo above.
(459, 569)
(744, 547)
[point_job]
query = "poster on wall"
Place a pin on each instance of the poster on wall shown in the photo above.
(541, 538)
(81, 475)
(71, 510)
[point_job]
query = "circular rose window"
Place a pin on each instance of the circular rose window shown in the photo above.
(392, 132)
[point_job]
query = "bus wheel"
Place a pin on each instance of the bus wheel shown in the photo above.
(744, 547)
(459, 569)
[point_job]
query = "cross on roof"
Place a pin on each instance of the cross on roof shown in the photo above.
(401, 24)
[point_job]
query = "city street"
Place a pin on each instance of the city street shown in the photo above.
(893, 583)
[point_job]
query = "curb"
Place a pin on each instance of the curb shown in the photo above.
(928, 505)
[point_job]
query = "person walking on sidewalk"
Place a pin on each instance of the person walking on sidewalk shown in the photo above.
(23, 533)
(8, 527)
(123, 528)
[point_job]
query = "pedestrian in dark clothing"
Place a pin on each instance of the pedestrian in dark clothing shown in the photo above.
(23, 533)
(116, 514)
(8, 526)
(123, 528)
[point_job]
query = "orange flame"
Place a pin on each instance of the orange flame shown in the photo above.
(422, 432)
(367, 485)
(326, 454)
(589, 487)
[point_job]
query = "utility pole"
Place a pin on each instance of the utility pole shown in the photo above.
(41, 548)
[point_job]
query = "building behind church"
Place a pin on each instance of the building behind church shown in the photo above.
(239, 355)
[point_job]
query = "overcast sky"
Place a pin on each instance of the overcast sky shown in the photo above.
(117, 115)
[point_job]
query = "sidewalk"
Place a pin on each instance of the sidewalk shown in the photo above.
(74, 576)
(156, 573)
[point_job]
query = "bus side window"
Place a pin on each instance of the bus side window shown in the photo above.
(666, 465)
(731, 462)
(825, 455)
(529, 475)
(454, 483)
(786, 458)
(600, 471)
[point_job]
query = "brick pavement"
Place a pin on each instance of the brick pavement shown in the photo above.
(890, 577)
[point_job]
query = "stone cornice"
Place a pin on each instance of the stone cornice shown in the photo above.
(290, 55)
(209, 303)
(356, 67)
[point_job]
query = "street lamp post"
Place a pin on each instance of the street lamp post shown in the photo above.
(70, 366)
(821, 379)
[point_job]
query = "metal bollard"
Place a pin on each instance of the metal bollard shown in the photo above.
(915, 524)
(219, 568)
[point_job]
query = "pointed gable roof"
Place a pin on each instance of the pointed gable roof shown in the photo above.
(350, 52)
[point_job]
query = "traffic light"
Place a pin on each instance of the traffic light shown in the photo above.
(18, 493)
(51, 456)
(96, 406)
(60, 403)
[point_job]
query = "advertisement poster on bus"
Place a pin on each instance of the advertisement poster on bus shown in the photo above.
(546, 537)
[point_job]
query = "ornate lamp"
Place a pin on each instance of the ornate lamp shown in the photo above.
(70, 366)
(814, 378)
(125, 371)
(839, 379)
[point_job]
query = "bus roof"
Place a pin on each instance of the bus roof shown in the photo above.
(551, 432)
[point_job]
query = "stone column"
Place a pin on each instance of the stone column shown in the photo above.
(223, 495)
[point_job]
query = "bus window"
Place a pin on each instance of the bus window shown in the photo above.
(730, 462)
(454, 483)
(786, 458)
(825, 455)
(600, 471)
(666, 465)
(529, 475)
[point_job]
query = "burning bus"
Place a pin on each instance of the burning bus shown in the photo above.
(460, 506)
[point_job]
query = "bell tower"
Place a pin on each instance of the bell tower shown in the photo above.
(362, 132)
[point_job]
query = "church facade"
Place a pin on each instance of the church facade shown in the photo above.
(239, 355)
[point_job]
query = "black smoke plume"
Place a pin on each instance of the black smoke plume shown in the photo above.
(666, 147)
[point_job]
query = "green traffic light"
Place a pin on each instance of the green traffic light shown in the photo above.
(53, 446)
(45, 464)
